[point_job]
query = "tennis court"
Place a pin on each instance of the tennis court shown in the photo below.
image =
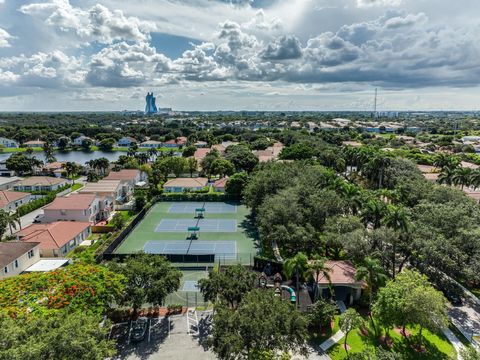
(225, 249)
(210, 208)
(159, 224)
(205, 225)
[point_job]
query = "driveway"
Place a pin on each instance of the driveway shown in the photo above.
(26, 220)
(466, 317)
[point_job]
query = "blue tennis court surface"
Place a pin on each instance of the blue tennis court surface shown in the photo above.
(205, 225)
(226, 249)
(210, 208)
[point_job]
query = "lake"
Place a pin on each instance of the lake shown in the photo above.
(80, 157)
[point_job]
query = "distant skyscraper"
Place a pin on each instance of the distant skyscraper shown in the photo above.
(150, 107)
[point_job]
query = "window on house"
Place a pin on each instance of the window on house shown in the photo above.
(63, 212)
(5, 269)
(30, 254)
(15, 264)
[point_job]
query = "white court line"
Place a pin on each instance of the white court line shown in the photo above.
(149, 328)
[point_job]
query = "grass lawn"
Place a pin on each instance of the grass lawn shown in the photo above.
(14, 150)
(145, 231)
(76, 186)
(435, 346)
(318, 337)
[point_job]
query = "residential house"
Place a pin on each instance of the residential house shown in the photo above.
(53, 169)
(182, 140)
(151, 144)
(34, 143)
(201, 144)
(126, 141)
(111, 190)
(4, 171)
(128, 178)
(17, 256)
(200, 154)
(7, 183)
(79, 140)
(219, 185)
(8, 143)
(76, 207)
(10, 200)
(57, 238)
(342, 279)
(40, 183)
(179, 185)
(271, 153)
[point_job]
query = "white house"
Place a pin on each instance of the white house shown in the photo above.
(17, 256)
(75, 207)
(8, 143)
(126, 141)
(10, 200)
(151, 144)
(179, 185)
(79, 140)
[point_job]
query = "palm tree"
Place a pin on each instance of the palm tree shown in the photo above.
(71, 169)
(375, 168)
(462, 176)
(396, 219)
(446, 175)
(374, 276)
(373, 212)
(443, 160)
(296, 266)
(475, 178)
(152, 153)
(351, 193)
(14, 220)
(317, 267)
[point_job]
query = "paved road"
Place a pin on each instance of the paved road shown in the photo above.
(466, 317)
(27, 219)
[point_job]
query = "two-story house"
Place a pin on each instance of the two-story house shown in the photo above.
(128, 178)
(111, 190)
(74, 207)
(17, 256)
(57, 238)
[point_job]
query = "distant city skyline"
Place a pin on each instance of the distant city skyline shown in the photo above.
(291, 55)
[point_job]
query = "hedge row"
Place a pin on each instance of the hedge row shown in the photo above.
(35, 204)
(191, 196)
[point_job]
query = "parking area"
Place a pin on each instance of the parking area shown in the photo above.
(166, 338)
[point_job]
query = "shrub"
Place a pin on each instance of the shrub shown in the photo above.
(35, 204)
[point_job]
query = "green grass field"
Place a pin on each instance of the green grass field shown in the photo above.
(435, 346)
(145, 231)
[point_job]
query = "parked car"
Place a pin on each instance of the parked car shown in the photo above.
(139, 329)
(38, 218)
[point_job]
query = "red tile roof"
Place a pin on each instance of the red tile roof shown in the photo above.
(341, 272)
(52, 235)
(7, 196)
(220, 183)
(72, 202)
(201, 153)
(125, 174)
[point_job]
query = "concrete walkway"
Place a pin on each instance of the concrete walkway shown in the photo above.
(457, 344)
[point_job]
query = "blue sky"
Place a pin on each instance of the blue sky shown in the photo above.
(239, 54)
